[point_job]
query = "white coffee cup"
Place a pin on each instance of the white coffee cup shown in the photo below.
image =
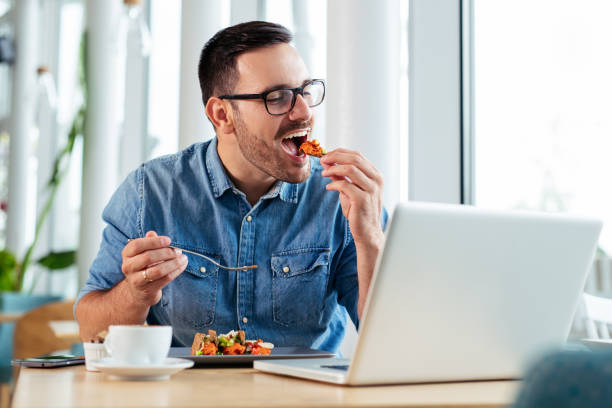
(138, 345)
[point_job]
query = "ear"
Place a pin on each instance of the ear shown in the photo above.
(220, 114)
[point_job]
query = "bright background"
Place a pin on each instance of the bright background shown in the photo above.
(497, 103)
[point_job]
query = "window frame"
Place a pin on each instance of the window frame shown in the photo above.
(440, 142)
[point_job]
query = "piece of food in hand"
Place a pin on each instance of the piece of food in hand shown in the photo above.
(232, 343)
(312, 148)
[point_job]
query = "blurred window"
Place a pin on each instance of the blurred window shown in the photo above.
(542, 103)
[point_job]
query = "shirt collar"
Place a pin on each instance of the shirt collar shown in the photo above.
(289, 192)
(220, 181)
(286, 191)
(216, 172)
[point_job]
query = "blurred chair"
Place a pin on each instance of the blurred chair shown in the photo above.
(598, 283)
(599, 280)
(598, 315)
(577, 379)
(33, 335)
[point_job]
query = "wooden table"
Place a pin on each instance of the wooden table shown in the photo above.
(241, 387)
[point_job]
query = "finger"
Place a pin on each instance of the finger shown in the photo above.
(336, 154)
(326, 167)
(353, 192)
(140, 245)
(160, 270)
(172, 275)
(149, 258)
(332, 177)
(357, 159)
(151, 234)
(355, 175)
(160, 283)
(345, 156)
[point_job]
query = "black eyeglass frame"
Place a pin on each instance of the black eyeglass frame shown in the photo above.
(299, 90)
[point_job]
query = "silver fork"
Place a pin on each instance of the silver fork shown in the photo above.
(229, 268)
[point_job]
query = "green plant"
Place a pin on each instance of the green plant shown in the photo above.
(12, 272)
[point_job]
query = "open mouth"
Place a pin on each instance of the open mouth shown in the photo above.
(292, 142)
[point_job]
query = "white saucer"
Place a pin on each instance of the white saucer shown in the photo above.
(144, 372)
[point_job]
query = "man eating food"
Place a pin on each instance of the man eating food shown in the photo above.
(249, 196)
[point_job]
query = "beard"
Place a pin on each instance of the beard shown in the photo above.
(270, 158)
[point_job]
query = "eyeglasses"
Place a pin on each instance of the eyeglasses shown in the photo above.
(281, 101)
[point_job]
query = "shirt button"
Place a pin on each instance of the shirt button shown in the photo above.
(203, 269)
(249, 218)
(244, 320)
(286, 269)
(234, 191)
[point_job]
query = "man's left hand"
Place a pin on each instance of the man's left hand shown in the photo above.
(360, 185)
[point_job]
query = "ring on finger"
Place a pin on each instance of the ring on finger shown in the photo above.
(146, 278)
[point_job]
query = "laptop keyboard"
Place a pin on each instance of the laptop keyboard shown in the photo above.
(337, 367)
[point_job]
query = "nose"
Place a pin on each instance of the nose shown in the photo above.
(301, 110)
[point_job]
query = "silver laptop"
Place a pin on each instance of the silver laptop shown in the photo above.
(462, 293)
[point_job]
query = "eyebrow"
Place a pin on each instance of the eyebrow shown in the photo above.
(284, 86)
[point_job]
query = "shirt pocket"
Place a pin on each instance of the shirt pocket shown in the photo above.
(190, 299)
(299, 286)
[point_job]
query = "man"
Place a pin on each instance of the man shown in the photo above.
(247, 197)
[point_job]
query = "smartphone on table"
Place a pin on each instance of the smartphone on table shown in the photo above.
(49, 361)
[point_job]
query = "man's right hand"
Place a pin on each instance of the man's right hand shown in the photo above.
(149, 265)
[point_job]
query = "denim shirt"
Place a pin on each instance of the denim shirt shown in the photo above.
(296, 234)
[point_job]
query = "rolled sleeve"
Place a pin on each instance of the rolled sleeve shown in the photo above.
(346, 282)
(122, 217)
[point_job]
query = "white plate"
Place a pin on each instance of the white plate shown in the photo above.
(144, 372)
(277, 353)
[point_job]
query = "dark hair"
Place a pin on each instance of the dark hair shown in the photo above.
(217, 67)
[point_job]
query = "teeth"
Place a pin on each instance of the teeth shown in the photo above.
(297, 134)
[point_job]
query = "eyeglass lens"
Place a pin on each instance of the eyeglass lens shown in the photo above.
(280, 101)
